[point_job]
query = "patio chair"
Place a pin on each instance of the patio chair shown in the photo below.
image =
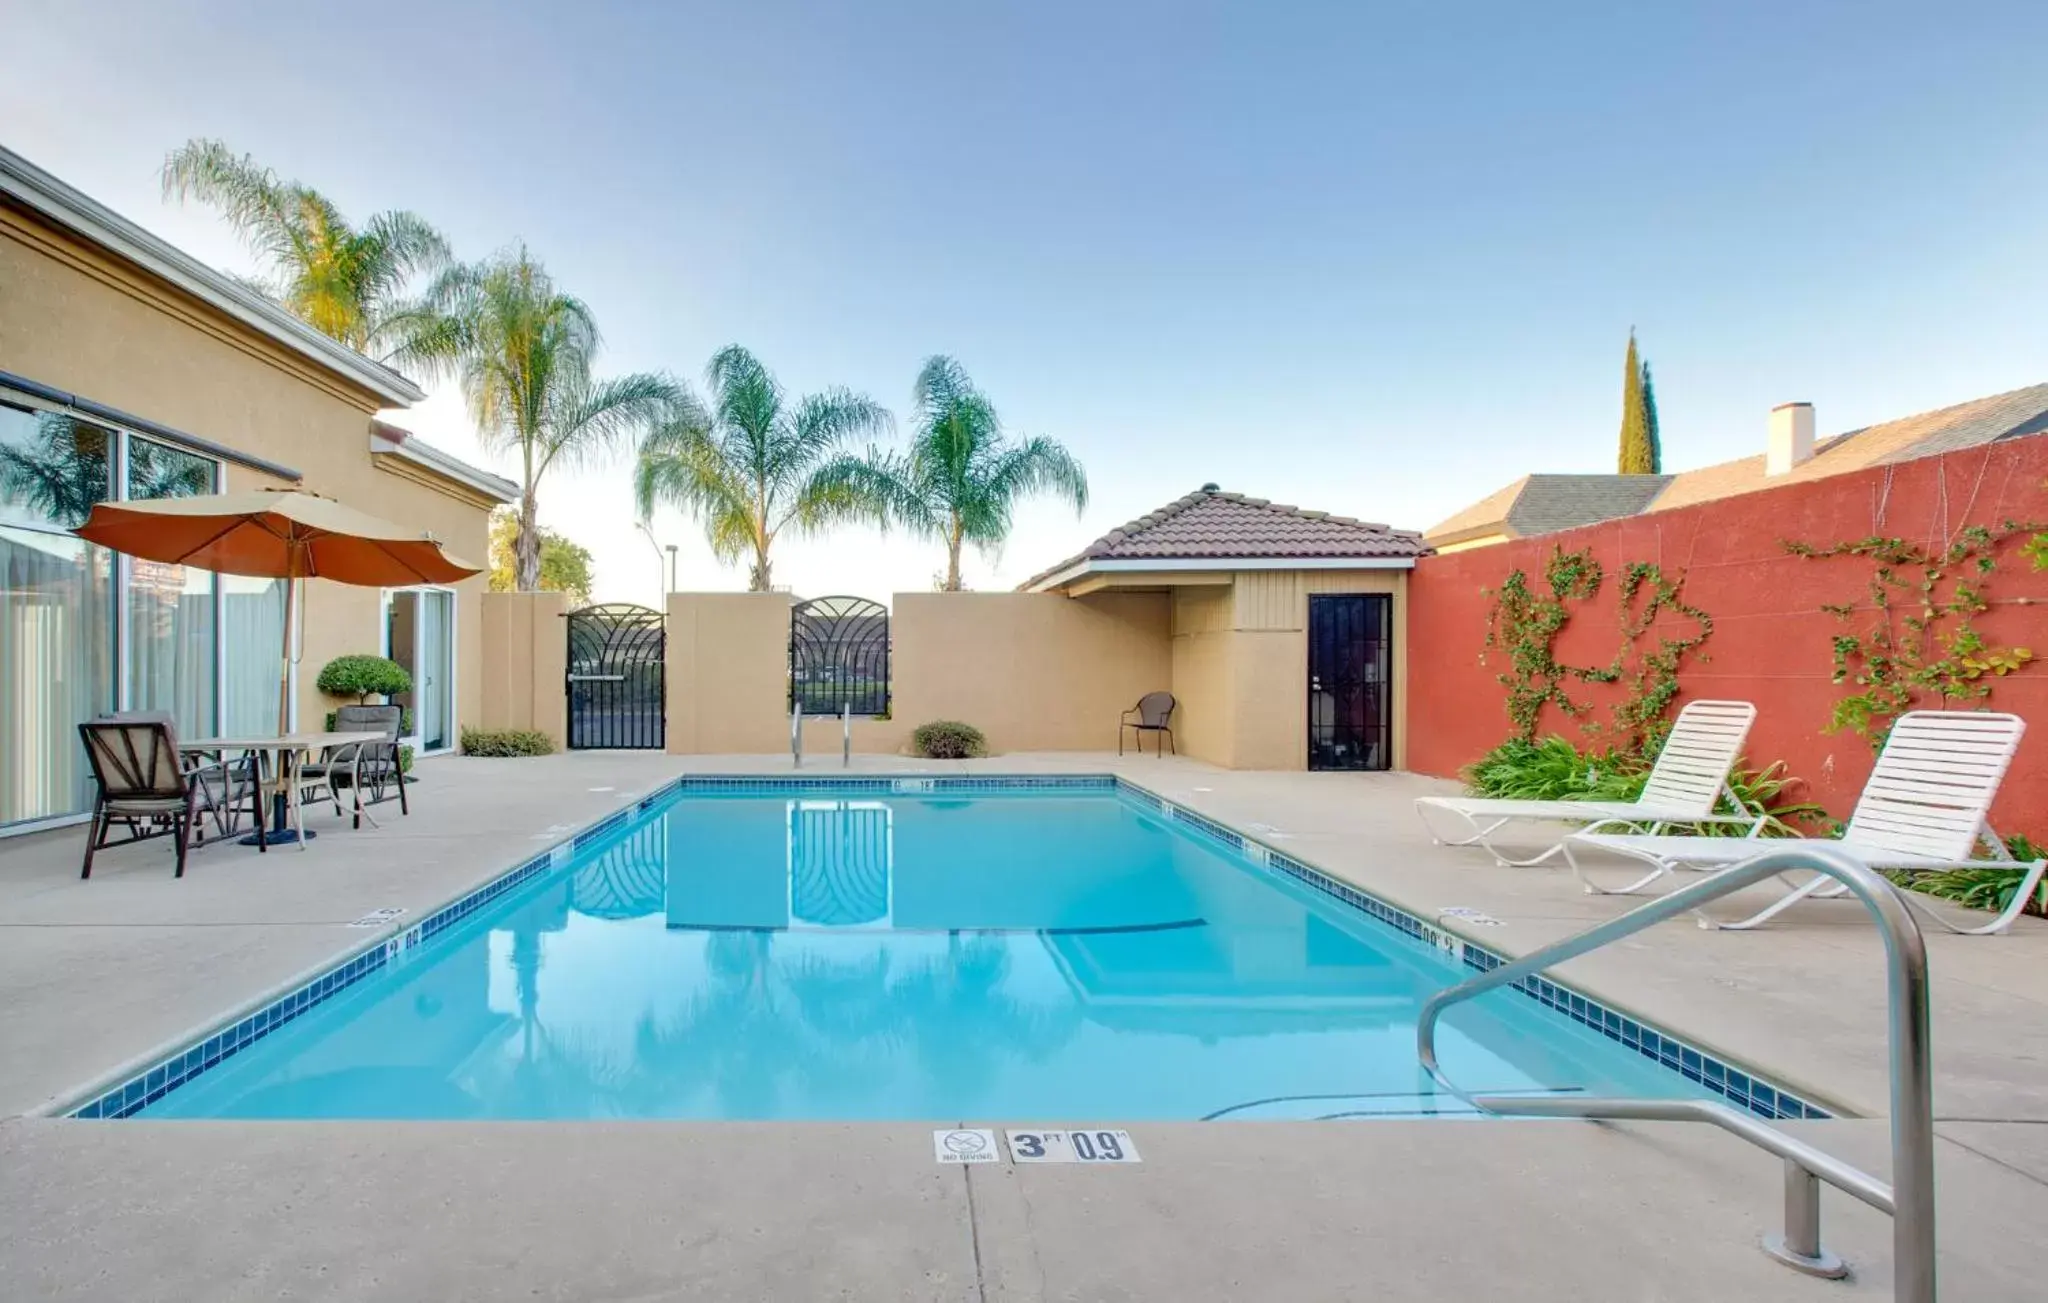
(146, 784)
(1685, 785)
(361, 767)
(1923, 810)
(1153, 714)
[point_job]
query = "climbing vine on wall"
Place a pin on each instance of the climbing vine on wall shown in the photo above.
(1915, 632)
(1525, 621)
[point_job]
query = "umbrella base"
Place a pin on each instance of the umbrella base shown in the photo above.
(288, 837)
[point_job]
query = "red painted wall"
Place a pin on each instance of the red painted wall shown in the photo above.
(1771, 643)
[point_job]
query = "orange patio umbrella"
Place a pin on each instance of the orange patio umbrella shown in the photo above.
(285, 534)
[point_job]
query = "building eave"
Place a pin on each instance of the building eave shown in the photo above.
(53, 200)
(387, 441)
(1194, 565)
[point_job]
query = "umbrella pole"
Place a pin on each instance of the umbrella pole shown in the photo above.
(284, 671)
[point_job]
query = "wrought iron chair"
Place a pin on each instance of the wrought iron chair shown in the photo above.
(367, 769)
(1153, 714)
(146, 784)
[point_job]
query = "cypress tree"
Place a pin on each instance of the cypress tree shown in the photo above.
(1650, 421)
(1638, 424)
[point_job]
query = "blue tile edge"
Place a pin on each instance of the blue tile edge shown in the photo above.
(1741, 1086)
(150, 1084)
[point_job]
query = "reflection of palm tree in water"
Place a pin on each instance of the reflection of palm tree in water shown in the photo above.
(65, 470)
(810, 1025)
(966, 1025)
(556, 1075)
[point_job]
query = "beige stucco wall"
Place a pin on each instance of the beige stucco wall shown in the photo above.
(728, 675)
(75, 319)
(1240, 664)
(1033, 671)
(522, 657)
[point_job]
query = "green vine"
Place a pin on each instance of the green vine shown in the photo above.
(1525, 623)
(1920, 636)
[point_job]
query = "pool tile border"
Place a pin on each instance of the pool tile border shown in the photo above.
(1739, 1086)
(152, 1082)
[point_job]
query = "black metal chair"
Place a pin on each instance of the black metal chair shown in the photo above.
(367, 769)
(1154, 714)
(146, 784)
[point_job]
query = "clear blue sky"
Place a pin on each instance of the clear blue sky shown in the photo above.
(1374, 259)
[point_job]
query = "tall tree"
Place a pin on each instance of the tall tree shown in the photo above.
(343, 281)
(1640, 454)
(962, 477)
(522, 350)
(753, 466)
(565, 566)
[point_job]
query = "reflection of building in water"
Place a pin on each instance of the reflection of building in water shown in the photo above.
(841, 864)
(628, 881)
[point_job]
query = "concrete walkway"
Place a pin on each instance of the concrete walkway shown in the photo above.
(99, 973)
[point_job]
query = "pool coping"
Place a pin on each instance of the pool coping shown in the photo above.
(146, 1078)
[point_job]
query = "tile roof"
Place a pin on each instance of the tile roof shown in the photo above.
(1542, 504)
(1210, 523)
(1965, 425)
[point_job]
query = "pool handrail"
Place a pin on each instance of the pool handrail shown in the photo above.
(1909, 1200)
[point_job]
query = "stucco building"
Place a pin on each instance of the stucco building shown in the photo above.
(129, 370)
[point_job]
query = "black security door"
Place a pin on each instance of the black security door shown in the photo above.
(617, 678)
(1350, 682)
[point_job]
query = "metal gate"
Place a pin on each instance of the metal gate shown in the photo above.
(839, 656)
(1350, 697)
(617, 679)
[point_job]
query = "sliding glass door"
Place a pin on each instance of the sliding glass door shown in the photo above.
(419, 633)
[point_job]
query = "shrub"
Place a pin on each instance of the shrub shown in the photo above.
(505, 742)
(362, 677)
(948, 739)
(1555, 770)
(1989, 886)
(404, 759)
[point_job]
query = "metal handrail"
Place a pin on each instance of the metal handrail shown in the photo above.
(796, 735)
(1909, 1200)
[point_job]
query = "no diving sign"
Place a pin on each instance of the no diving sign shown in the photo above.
(965, 1145)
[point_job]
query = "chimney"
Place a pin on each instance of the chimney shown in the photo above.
(1791, 442)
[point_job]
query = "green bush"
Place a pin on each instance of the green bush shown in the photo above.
(1989, 886)
(363, 677)
(1555, 770)
(404, 759)
(948, 739)
(505, 742)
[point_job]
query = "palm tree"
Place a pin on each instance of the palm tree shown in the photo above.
(523, 350)
(752, 467)
(962, 478)
(342, 281)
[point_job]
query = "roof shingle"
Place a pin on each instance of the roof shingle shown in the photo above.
(1212, 524)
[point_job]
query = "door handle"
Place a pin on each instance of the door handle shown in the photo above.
(597, 678)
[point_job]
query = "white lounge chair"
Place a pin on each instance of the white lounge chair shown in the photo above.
(1687, 782)
(1924, 809)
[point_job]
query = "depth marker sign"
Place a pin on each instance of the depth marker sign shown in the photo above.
(966, 1145)
(1073, 1147)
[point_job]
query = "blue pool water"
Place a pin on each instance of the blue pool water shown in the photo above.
(1020, 956)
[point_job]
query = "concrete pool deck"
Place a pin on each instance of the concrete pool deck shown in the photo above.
(94, 974)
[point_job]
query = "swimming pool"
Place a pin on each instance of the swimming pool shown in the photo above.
(893, 950)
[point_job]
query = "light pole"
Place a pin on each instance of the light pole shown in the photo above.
(655, 543)
(671, 568)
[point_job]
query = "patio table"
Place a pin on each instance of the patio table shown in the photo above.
(277, 766)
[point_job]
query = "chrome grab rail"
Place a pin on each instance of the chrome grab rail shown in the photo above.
(846, 735)
(1909, 1200)
(796, 734)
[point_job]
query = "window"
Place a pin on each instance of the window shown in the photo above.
(56, 609)
(83, 631)
(168, 625)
